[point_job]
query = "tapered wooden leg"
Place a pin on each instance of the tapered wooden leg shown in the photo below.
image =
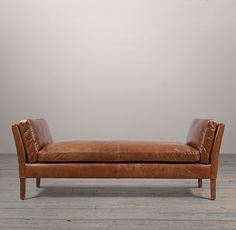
(38, 182)
(199, 182)
(213, 189)
(22, 188)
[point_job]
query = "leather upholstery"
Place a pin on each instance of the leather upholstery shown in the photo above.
(136, 151)
(35, 135)
(152, 159)
(118, 151)
(79, 151)
(38, 145)
(117, 159)
(117, 170)
(162, 170)
(201, 136)
(20, 150)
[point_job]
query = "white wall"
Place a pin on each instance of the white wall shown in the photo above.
(118, 69)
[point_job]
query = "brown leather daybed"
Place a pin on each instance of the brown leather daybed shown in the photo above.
(40, 157)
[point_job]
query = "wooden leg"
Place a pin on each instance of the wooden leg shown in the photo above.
(38, 182)
(213, 189)
(199, 182)
(22, 188)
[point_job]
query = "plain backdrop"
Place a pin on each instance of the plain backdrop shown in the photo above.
(118, 69)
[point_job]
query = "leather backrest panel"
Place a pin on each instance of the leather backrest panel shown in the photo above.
(35, 135)
(201, 136)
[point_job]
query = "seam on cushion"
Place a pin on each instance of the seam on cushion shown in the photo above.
(163, 152)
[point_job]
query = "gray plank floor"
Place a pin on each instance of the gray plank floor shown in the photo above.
(117, 204)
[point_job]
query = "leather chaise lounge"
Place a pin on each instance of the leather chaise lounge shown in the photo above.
(40, 157)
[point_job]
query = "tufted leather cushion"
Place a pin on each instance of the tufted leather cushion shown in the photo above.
(35, 134)
(201, 136)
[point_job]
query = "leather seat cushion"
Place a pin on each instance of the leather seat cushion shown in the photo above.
(118, 151)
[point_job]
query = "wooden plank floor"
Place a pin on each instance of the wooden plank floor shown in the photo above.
(117, 204)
